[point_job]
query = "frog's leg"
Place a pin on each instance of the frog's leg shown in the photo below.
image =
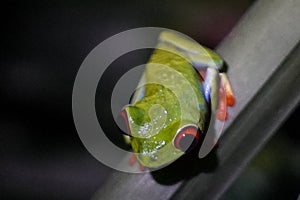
(202, 59)
(217, 91)
(216, 83)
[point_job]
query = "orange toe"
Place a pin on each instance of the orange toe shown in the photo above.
(222, 107)
(230, 99)
(132, 160)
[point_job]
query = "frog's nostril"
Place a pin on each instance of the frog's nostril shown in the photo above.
(124, 124)
(187, 138)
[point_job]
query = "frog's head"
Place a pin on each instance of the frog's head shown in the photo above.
(157, 135)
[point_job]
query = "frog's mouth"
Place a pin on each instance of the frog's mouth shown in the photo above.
(159, 158)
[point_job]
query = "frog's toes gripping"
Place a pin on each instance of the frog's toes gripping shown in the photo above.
(226, 97)
(217, 91)
(133, 160)
(230, 100)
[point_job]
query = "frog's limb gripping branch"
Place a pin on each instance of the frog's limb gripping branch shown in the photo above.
(133, 160)
(226, 97)
(215, 87)
(222, 95)
(230, 100)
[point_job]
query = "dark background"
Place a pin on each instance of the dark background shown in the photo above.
(43, 44)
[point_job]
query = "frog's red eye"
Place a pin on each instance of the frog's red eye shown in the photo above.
(125, 123)
(186, 138)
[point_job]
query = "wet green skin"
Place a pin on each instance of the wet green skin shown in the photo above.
(160, 110)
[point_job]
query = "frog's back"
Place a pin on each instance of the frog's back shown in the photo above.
(177, 63)
(177, 71)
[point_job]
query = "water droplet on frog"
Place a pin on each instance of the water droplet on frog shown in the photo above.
(153, 157)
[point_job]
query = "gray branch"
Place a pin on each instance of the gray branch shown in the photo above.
(264, 58)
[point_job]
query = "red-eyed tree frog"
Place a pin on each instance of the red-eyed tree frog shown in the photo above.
(177, 96)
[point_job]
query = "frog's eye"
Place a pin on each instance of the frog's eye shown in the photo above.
(186, 138)
(125, 123)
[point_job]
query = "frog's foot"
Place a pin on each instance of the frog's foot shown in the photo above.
(226, 97)
(230, 100)
(218, 91)
(133, 160)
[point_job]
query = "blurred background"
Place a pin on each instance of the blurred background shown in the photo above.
(43, 44)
